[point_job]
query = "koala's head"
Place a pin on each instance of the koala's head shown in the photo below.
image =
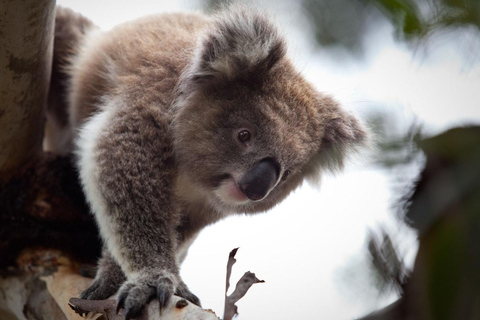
(248, 128)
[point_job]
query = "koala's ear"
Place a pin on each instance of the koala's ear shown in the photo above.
(241, 44)
(343, 136)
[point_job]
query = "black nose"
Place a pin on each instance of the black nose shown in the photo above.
(260, 179)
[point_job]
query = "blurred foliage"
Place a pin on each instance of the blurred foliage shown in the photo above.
(416, 19)
(404, 14)
(444, 208)
(450, 178)
(398, 153)
(390, 271)
(340, 23)
(396, 145)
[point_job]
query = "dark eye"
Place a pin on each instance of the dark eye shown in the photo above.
(244, 136)
(285, 175)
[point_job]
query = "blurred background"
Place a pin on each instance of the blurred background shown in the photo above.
(366, 238)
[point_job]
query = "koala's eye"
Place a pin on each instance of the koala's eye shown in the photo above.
(244, 136)
(285, 175)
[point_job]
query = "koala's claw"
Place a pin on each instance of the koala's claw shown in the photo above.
(182, 291)
(90, 291)
(99, 290)
(134, 295)
(121, 301)
(163, 298)
(108, 280)
(164, 291)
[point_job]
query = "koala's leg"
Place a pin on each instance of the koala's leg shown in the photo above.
(127, 170)
(108, 280)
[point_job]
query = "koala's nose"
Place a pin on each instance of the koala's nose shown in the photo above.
(260, 179)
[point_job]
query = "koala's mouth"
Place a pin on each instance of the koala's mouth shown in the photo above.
(253, 185)
(228, 191)
(233, 192)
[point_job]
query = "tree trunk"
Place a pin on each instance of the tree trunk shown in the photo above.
(26, 45)
(41, 202)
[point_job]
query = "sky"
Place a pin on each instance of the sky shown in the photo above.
(310, 249)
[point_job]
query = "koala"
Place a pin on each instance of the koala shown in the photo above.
(178, 121)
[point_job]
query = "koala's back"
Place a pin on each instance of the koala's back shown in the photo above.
(139, 61)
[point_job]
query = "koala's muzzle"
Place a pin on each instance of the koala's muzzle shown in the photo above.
(260, 179)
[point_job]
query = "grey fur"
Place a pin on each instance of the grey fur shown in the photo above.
(158, 104)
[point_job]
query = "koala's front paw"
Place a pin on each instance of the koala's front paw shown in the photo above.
(108, 280)
(135, 294)
(100, 289)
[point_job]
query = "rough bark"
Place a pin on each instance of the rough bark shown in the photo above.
(26, 42)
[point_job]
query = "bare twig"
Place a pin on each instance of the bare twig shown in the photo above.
(230, 263)
(245, 282)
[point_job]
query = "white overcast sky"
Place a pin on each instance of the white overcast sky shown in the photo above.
(306, 248)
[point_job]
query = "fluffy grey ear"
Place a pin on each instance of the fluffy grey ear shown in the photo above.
(343, 135)
(241, 44)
